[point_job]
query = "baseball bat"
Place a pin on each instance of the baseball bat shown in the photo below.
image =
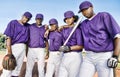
(112, 72)
(74, 28)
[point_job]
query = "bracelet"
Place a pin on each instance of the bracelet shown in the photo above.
(115, 56)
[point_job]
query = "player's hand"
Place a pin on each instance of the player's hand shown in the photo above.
(64, 48)
(62, 27)
(47, 55)
(46, 27)
(112, 62)
(46, 33)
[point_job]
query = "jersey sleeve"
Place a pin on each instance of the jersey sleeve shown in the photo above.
(111, 25)
(10, 29)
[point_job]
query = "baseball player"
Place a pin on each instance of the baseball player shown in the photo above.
(55, 41)
(72, 57)
(101, 35)
(16, 39)
(37, 44)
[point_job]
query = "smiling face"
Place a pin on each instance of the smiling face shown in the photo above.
(70, 20)
(88, 13)
(39, 21)
(53, 27)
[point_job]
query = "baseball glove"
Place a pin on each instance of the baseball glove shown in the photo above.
(9, 62)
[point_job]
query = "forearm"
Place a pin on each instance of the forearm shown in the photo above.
(47, 50)
(8, 45)
(26, 49)
(66, 26)
(76, 47)
(117, 47)
(47, 46)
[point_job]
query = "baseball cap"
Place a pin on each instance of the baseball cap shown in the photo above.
(39, 16)
(53, 21)
(84, 5)
(69, 14)
(28, 15)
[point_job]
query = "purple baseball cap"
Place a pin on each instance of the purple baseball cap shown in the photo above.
(53, 21)
(39, 16)
(28, 15)
(84, 5)
(69, 14)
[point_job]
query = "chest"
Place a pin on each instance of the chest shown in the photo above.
(37, 30)
(67, 32)
(55, 36)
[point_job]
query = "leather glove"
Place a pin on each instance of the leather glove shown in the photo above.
(112, 62)
(64, 49)
(9, 62)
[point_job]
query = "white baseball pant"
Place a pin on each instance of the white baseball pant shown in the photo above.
(33, 55)
(53, 63)
(18, 51)
(70, 64)
(95, 62)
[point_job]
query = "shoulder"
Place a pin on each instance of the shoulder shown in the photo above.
(43, 26)
(104, 14)
(78, 30)
(59, 33)
(13, 21)
(83, 23)
(31, 25)
(64, 29)
(50, 34)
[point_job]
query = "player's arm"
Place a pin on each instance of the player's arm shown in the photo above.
(79, 39)
(117, 47)
(62, 27)
(114, 31)
(113, 61)
(8, 45)
(47, 32)
(76, 47)
(47, 49)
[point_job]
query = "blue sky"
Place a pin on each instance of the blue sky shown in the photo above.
(13, 9)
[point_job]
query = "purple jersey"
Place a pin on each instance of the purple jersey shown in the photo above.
(76, 38)
(55, 41)
(17, 32)
(37, 39)
(99, 32)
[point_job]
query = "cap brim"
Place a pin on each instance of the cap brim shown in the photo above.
(76, 18)
(27, 17)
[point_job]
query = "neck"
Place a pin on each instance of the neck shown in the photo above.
(71, 25)
(93, 15)
(20, 21)
(55, 30)
(38, 24)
